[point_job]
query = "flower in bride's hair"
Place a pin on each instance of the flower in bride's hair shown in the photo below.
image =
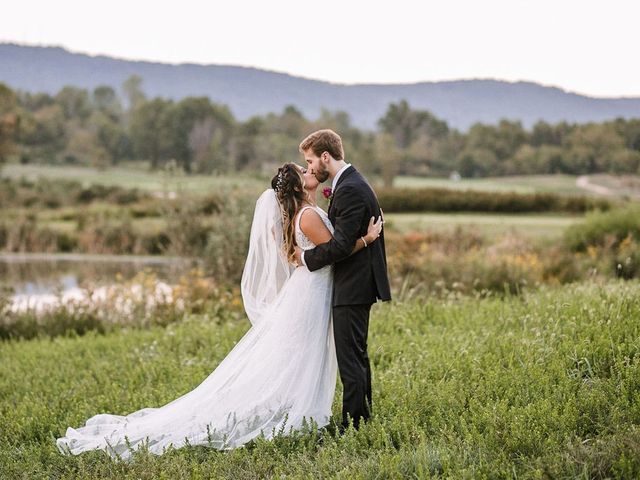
(279, 181)
(327, 192)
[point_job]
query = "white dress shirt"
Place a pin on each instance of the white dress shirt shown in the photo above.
(335, 179)
(333, 187)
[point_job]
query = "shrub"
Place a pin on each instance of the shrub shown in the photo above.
(462, 262)
(446, 200)
(602, 229)
(51, 194)
(143, 301)
(228, 240)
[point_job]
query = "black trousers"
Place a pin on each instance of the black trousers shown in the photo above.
(350, 329)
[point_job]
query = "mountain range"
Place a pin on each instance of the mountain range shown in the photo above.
(251, 91)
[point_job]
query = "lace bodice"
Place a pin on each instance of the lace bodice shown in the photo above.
(301, 239)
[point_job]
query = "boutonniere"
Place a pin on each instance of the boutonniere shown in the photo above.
(328, 194)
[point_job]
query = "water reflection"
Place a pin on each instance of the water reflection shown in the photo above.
(42, 274)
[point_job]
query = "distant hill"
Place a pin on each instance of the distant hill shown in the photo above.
(250, 91)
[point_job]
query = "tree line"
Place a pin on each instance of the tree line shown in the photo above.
(105, 127)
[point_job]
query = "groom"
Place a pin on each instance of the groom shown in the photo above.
(359, 279)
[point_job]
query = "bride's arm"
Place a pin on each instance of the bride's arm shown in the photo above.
(315, 230)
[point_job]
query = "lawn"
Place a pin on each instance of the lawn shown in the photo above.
(490, 225)
(545, 385)
(136, 177)
(621, 186)
(562, 184)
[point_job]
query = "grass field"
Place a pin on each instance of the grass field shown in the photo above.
(625, 186)
(562, 184)
(546, 385)
(129, 177)
(136, 177)
(532, 226)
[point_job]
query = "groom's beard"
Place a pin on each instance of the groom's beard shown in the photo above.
(321, 175)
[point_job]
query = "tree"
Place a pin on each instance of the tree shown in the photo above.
(149, 130)
(83, 146)
(291, 123)
(106, 101)
(111, 136)
(388, 155)
(44, 133)
(629, 131)
(592, 146)
(337, 121)
(244, 148)
(35, 101)
(477, 162)
(200, 139)
(9, 122)
(183, 117)
(543, 134)
(133, 93)
(75, 103)
(419, 137)
(401, 123)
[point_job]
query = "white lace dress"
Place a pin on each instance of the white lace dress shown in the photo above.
(281, 374)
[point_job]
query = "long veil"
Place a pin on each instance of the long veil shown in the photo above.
(266, 269)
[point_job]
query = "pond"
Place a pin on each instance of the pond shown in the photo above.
(38, 279)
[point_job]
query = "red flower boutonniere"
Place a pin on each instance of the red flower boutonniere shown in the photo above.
(328, 194)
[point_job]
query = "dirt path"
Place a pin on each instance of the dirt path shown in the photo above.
(583, 182)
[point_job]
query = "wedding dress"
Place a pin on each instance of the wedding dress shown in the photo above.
(279, 376)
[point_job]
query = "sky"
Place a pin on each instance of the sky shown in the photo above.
(584, 46)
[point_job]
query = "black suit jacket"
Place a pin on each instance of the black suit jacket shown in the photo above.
(361, 278)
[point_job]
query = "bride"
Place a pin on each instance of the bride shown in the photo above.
(282, 374)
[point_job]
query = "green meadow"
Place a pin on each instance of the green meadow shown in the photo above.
(562, 184)
(533, 226)
(136, 176)
(511, 350)
(542, 385)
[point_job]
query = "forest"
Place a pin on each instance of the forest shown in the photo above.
(106, 127)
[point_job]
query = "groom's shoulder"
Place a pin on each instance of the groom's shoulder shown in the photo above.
(359, 181)
(354, 183)
(355, 177)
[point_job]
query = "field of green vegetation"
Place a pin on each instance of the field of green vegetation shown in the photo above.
(510, 351)
(535, 226)
(563, 184)
(543, 385)
(136, 176)
(510, 240)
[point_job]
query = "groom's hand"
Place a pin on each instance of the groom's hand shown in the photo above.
(298, 254)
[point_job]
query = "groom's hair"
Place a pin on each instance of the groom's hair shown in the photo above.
(324, 141)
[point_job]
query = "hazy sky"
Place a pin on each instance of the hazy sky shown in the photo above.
(586, 46)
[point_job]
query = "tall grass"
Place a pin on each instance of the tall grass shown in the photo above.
(609, 243)
(140, 302)
(605, 228)
(545, 385)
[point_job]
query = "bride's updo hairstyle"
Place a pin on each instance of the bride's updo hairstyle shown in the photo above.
(287, 184)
